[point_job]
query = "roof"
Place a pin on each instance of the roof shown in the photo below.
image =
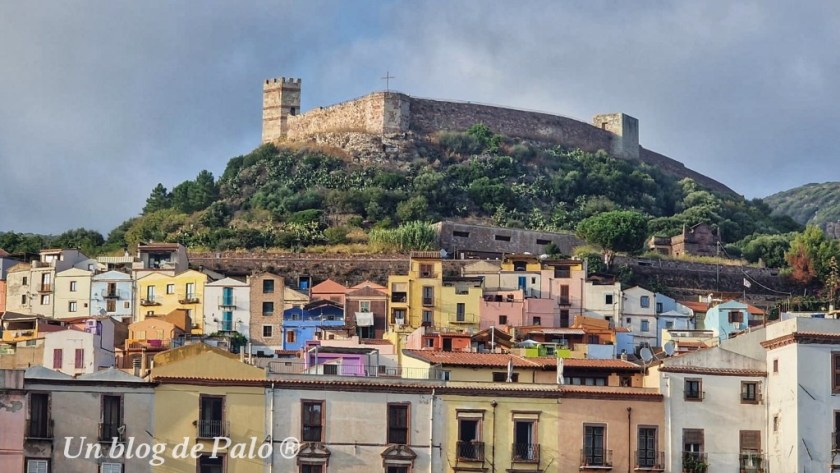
(500, 360)
(113, 375)
(366, 291)
(158, 246)
(3, 253)
(328, 286)
(369, 283)
(714, 371)
(40, 372)
(696, 306)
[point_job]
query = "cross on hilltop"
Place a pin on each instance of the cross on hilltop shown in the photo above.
(387, 80)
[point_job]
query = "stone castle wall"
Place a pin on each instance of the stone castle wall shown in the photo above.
(377, 113)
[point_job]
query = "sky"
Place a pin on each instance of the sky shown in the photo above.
(102, 100)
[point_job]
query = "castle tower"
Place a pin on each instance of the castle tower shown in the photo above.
(281, 99)
(625, 143)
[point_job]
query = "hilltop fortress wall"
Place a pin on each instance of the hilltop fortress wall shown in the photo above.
(390, 113)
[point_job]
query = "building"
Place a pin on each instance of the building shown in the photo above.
(479, 241)
(30, 288)
(159, 293)
(153, 335)
(13, 418)
(267, 298)
(727, 319)
(112, 294)
(602, 298)
(307, 322)
(328, 290)
(85, 346)
(698, 240)
(366, 309)
(638, 314)
(227, 306)
(26, 328)
(169, 258)
(6, 262)
(73, 293)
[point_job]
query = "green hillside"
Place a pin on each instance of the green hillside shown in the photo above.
(812, 204)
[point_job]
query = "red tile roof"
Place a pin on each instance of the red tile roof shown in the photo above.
(713, 371)
(328, 287)
(696, 306)
(3, 253)
(368, 283)
(500, 360)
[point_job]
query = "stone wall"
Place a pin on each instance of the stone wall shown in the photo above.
(381, 112)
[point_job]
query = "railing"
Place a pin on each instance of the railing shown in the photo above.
(470, 451)
(695, 395)
(208, 428)
(108, 431)
(564, 301)
(188, 299)
(149, 301)
(595, 458)
(650, 460)
(115, 294)
(39, 430)
(695, 462)
(152, 344)
(226, 325)
(45, 288)
(428, 275)
(399, 297)
(227, 301)
(351, 370)
(751, 462)
(428, 301)
(526, 452)
(835, 441)
(463, 319)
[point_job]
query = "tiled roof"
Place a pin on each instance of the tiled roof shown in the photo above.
(713, 371)
(328, 287)
(366, 291)
(369, 283)
(500, 360)
(695, 306)
(3, 253)
(592, 363)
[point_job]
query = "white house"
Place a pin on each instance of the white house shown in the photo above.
(81, 350)
(227, 306)
(602, 299)
(638, 314)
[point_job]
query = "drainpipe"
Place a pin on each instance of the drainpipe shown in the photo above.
(432, 431)
(629, 439)
(271, 428)
(493, 447)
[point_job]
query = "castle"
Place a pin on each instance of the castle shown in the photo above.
(394, 114)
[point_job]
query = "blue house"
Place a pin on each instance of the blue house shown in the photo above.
(301, 324)
(727, 319)
(112, 294)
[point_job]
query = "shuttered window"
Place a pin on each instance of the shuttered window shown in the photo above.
(693, 440)
(58, 355)
(835, 380)
(80, 358)
(750, 440)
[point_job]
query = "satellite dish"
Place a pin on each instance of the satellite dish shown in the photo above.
(443, 254)
(646, 354)
(103, 312)
(669, 348)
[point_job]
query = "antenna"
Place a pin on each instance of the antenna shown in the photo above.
(669, 348)
(647, 355)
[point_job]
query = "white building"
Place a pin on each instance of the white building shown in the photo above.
(227, 306)
(72, 293)
(638, 313)
(77, 350)
(603, 299)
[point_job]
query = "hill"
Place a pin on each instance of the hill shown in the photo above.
(811, 204)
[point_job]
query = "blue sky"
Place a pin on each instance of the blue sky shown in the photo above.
(101, 100)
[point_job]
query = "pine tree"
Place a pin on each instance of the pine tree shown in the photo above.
(159, 199)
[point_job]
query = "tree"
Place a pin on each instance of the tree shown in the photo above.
(768, 248)
(159, 199)
(88, 241)
(619, 230)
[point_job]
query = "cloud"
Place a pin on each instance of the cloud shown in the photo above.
(102, 100)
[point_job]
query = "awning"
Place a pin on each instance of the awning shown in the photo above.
(364, 319)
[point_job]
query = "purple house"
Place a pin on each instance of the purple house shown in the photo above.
(340, 361)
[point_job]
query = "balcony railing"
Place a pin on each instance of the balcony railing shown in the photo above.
(188, 299)
(352, 370)
(153, 344)
(113, 294)
(108, 431)
(650, 460)
(835, 442)
(428, 301)
(45, 288)
(399, 297)
(208, 428)
(39, 430)
(751, 462)
(526, 452)
(564, 300)
(595, 458)
(428, 275)
(227, 301)
(463, 319)
(695, 462)
(470, 451)
(149, 301)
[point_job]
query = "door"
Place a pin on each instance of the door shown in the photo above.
(647, 447)
(522, 281)
(227, 296)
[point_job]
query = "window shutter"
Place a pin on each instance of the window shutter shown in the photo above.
(80, 358)
(37, 466)
(750, 440)
(57, 358)
(694, 436)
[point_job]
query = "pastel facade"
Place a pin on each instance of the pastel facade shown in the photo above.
(267, 296)
(30, 289)
(638, 314)
(159, 293)
(112, 294)
(13, 417)
(73, 293)
(153, 335)
(329, 290)
(303, 324)
(227, 306)
(727, 319)
(368, 308)
(77, 351)
(169, 258)
(6, 263)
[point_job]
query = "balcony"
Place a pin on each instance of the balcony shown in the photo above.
(188, 299)
(835, 442)
(108, 431)
(45, 288)
(399, 297)
(650, 460)
(428, 302)
(595, 459)
(211, 428)
(695, 462)
(564, 301)
(148, 345)
(149, 302)
(470, 451)
(463, 319)
(228, 302)
(428, 275)
(526, 452)
(752, 462)
(39, 430)
(112, 294)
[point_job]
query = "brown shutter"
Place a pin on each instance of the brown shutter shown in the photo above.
(750, 440)
(693, 436)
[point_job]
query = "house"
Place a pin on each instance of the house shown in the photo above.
(603, 298)
(112, 294)
(328, 290)
(727, 319)
(168, 258)
(153, 335)
(267, 298)
(86, 345)
(24, 328)
(73, 293)
(30, 288)
(638, 313)
(160, 293)
(304, 323)
(13, 419)
(367, 306)
(699, 240)
(95, 408)
(6, 262)
(227, 306)
(463, 240)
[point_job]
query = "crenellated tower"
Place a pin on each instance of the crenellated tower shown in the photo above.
(281, 99)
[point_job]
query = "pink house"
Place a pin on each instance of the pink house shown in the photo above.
(12, 420)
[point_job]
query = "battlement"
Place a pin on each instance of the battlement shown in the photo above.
(281, 81)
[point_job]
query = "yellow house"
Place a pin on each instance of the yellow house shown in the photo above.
(424, 298)
(159, 293)
(204, 394)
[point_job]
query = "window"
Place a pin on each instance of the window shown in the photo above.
(693, 390)
(127, 305)
(110, 305)
(267, 308)
(39, 416)
(364, 306)
(211, 416)
(25, 281)
(835, 379)
(593, 445)
(564, 295)
(502, 376)
(646, 444)
(23, 299)
(208, 464)
(291, 336)
(537, 321)
(749, 392)
(658, 307)
(170, 289)
(312, 421)
(398, 316)
(562, 272)
(750, 458)
(525, 446)
(608, 299)
(503, 320)
(398, 424)
(428, 295)
(58, 358)
(110, 427)
(110, 468)
(461, 234)
(72, 286)
(736, 317)
(460, 312)
(426, 271)
(776, 369)
(330, 369)
(150, 293)
(542, 241)
(502, 237)
(645, 326)
(564, 318)
(72, 306)
(470, 446)
(268, 331)
(80, 359)
(37, 466)
(669, 325)
(692, 447)
(644, 301)
(189, 289)
(45, 299)
(396, 469)
(268, 286)
(427, 317)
